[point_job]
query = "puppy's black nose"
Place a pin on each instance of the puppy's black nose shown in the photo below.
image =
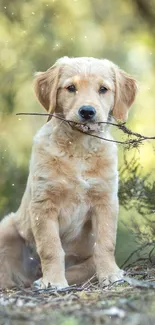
(87, 112)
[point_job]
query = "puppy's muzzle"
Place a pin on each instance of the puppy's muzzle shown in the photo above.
(87, 112)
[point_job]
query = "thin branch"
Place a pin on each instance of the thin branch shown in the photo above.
(150, 254)
(138, 283)
(139, 249)
(139, 137)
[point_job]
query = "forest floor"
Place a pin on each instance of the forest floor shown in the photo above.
(131, 302)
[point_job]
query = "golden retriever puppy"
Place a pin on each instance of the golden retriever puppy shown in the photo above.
(67, 219)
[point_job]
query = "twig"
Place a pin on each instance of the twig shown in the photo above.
(136, 251)
(138, 283)
(139, 137)
(144, 273)
(150, 254)
(54, 290)
(88, 282)
(26, 297)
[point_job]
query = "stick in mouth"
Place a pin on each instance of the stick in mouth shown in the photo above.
(83, 127)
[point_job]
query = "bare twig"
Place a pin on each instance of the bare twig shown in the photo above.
(139, 249)
(138, 283)
(52, 290)
(150, 254)
(139, 137)
(90, 282)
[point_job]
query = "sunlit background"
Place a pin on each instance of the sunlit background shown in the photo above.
(33, 34)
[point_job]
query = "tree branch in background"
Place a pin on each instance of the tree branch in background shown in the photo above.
(146, 9)
(136, 255)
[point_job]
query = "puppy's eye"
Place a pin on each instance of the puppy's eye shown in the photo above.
(103, 90)
(71, 89)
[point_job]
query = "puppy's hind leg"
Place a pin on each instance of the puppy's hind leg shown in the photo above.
(11, 255)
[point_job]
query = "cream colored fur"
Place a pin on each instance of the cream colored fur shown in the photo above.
(67, 219)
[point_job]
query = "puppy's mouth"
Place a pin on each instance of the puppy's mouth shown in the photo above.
(88, 127)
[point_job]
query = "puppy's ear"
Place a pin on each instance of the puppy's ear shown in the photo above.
(125, 92)
(45, 86)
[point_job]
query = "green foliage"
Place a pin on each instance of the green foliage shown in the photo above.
(12, 182)
(138, 192)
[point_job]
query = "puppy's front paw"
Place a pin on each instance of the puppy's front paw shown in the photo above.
(44, 283)
(111, 277)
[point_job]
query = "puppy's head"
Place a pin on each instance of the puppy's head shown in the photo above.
(86, 90)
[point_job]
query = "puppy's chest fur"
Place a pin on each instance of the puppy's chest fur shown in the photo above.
(80, 191)
(78, 177)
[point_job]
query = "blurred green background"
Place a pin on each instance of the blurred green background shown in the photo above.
(33, 34)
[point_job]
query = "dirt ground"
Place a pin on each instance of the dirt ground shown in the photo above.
(131, 302)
